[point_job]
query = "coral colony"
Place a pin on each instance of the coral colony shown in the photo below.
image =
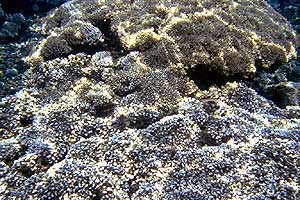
(151, 99)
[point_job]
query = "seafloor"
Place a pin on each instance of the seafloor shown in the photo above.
(149, 99)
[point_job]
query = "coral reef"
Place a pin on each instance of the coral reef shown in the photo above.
(230, 37)
(17, 40)
(12, 65)
(109, 109)
(88, 142)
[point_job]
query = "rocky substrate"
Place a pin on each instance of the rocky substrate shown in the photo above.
(282, 85)
(119, 105)
(290, 9)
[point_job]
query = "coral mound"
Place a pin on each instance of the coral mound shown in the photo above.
(106, 112)
(228, 36)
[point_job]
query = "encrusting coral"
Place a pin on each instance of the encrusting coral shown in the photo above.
(112, 115)
(223, 35)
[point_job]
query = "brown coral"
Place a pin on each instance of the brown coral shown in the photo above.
(224, 35)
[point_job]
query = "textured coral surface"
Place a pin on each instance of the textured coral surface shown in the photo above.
(225, 35)
(110, 109)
